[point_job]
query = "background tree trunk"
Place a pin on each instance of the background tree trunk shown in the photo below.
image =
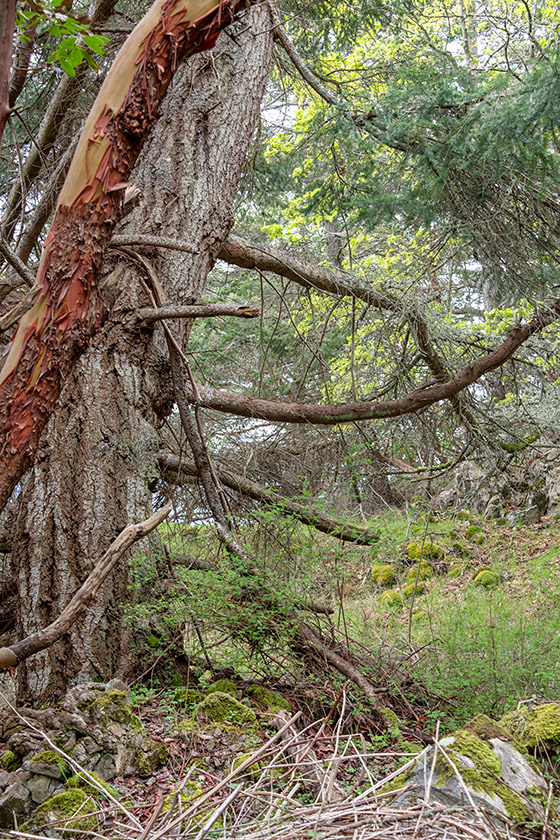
(99, 453)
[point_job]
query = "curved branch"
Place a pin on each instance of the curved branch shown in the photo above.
(11, 656)
(330, 415)
(303, 513)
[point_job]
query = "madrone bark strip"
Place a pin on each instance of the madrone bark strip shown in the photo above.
(69, 308)
(11, 656)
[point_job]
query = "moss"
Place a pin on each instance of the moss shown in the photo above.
(220, 706)
(460, 550)
(428, 550)
(487, 578)
(479, 539)
(10, 761)
(484, 777)
(463, 514)
(269, 699)
(152, 641)
(252, 770)
(472, 531)
(408, 590)
(397, 783)
(455, 570)
(420, 571)
(76, 781)
(110, 706)
(392, 720)
(225, 686)
(538, 727)
(391, 598)
(187, 696)
(152, 758)
(63, 806)
(383, 574)
(484, 727)
(419, 615)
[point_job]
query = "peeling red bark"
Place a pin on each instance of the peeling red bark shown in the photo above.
(56, 331)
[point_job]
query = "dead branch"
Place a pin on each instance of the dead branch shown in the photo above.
(11, 656)
(304, 513)
(198, 310)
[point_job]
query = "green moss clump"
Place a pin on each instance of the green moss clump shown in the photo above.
(422, 571)
(479, 539)
(392, 720)
(225, 686)
(269, 699)
(460, 550)
(220, 706)
(472, 531)
(391, 598)
(487, 578)
(76, 781)
(383, 574)
(397, 783)
(72, 810)
(455, 570)
(408, 590)
(48, 757)
(187, 696)
(10, 761)
(428, 551)
(485, 728)
(252, 770)
(463, 514)
(538, 727)
(152, 758)
(110, 706)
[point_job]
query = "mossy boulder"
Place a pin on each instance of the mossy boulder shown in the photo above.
(391, 598)
(472, 531)
(383, 574)
(420, 571)
(269, 699)
(153, 756)
(188, 696)
(74, 782)
(409, 590)
(73, 812)
(427, 550)
(486, 578)
(537, 727)
(225, 686)
(499, 778)
(221, 707)
(455, 570)
(110, 707)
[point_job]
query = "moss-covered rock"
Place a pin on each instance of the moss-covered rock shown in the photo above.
(188, 696)
(538, 727)
(409, 590)
(10, 761)
(420, 571)
(485, 727)
(391, 598)
(74, 782)
(225, 686)
(383, 574)
(487, 579)
(269, 699)
(472, 531)
(220, 706)
(455, 570)
(428, 551)
(153, 756)
(108, 707)
(73, 811)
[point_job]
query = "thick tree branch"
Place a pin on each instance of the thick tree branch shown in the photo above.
(152, 242)
(7, 26)
(199, 310)
(330, 415)
(247, 255)
(11, 656)
(18, 265)
(307, 514)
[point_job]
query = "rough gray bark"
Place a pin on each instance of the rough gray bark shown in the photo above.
(99, 454)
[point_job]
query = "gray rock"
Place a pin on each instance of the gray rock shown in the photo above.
(445, 499)
(493, 774)
(42, 788)
(14, 800)
(531, 515)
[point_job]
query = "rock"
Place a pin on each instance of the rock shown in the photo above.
(269, 699)
(531, 515)
(227, 686)
(220, 707)
(487, 579)
(494, 508)
(383, 574)
(498, 777)
(73, 811)
(445, 499)
(535, 727)
(15, 799)
(42, 787)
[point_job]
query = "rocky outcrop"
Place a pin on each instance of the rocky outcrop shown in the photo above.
(96, 727)
(477, 765)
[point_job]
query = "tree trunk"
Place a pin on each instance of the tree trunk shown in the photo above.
(98, 457)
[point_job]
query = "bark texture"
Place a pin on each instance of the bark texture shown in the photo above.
(100, 453)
